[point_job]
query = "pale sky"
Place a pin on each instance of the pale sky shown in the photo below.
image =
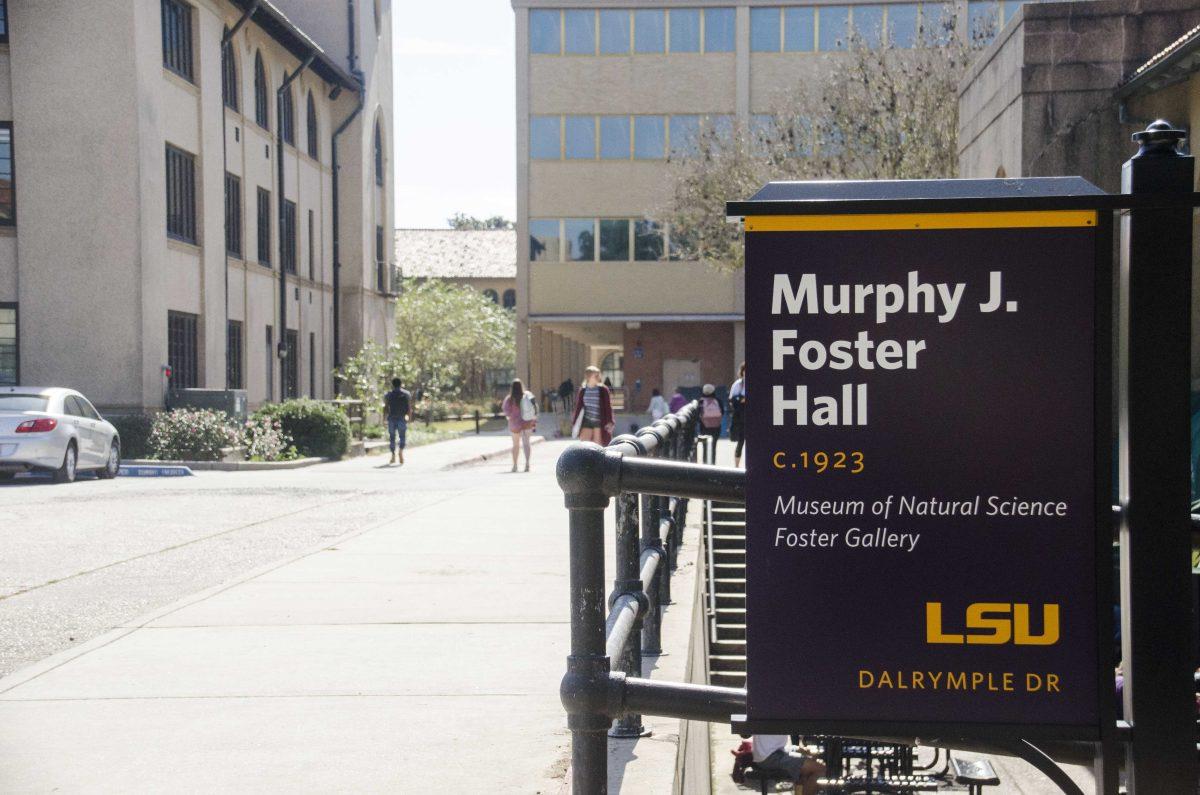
(455, 101)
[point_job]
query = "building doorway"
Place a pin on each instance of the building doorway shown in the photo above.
(681, 372)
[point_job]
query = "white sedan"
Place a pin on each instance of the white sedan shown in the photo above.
(54, 430)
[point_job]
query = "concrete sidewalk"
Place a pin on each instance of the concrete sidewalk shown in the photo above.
(423, 654)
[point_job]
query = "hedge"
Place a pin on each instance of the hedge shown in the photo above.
(317, 429)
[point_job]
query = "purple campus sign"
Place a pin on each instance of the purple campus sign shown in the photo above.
(922, 493)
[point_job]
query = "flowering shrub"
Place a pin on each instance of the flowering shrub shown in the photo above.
(191, 435)
(316, 429)
(265, 440)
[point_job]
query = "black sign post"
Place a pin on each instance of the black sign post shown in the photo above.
(929, 468)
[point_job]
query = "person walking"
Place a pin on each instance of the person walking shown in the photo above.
(737, 415)
(658, 405)
(712, 413)
(593, 420)
(520, 408)
(678, 401)
(397, 406)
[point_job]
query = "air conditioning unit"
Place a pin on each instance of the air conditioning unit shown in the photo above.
(231, 401)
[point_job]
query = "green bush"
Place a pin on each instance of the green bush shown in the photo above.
(316, 429)
(134, 430)
(192, 435)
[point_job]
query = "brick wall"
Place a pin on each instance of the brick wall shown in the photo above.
(710, 343)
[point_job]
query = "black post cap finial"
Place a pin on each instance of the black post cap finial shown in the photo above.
(1159, 138)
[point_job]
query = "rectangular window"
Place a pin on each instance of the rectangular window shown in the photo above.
(833, 22)
(10, 349)
(544, 242)
(614, 31)
(545, 142)
(983, 19)
(614, 240)
(176, 37)
(264, 226)
(312, 364)
(291, 365)
(580, 234)
(270, 362)
(685, 30)
(580, 137)
(647, 241)
(3, 20)
(182, 354)
(8, 194)
(614, 137)
(799, 29)
(312, 236)
(380, 262)
(868, 24)
(181, 195)
(718, 29)
(233, 215)
(903, 22)
(233, 355)
(685, 135)
(649, 31)
(764, 29)
(579, 28)
(287, 235)
(649, 137)
(544, 31)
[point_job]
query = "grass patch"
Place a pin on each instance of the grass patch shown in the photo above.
(466, 426)
(417, 437)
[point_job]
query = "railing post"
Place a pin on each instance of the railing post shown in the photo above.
(580, 474)
(1157, 613)
(664, 428)
(652, 626)
(629, 581)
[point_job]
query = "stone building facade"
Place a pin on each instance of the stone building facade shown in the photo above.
(146, 244)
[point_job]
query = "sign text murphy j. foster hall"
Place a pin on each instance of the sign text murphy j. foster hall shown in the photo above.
(922, 498)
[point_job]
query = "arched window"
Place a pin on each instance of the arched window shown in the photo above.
(313, 150)
(378, 154)
(491, 296)
(229, 77)
(510, 299)
(287, 117)
(261, 103)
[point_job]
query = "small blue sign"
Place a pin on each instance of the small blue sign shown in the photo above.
(140, 471)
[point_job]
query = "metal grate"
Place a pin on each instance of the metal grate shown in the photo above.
(182, 355)
(181, 195)
(233, 215)
(264, 226)
(287, 233)
(291, 365)
(233, 355)
(176, 37)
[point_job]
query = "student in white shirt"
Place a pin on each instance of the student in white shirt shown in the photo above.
(658, 405)
(773, 752)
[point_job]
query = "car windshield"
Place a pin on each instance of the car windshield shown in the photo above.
(23, 403)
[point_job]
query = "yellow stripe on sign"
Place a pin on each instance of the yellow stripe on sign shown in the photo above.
(1026, 219)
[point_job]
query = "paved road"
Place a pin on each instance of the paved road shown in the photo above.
(79, 559)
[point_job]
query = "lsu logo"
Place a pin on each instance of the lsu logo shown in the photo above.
(993, 624)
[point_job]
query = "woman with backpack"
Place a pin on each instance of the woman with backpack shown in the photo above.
(712, 412)
(520, 408)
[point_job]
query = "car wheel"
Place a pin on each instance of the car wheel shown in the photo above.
(66, 472)
(113, 465)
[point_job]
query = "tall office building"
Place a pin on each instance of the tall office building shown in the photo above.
(171, 215)
(607, 94)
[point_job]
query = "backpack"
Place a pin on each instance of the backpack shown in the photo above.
(710, 413)
(528, 407)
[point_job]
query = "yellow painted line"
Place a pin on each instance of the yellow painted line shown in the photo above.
(1025, 219)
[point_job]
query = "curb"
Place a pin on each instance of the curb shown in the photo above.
(147, 471)
(217, 466)
(482, 457)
